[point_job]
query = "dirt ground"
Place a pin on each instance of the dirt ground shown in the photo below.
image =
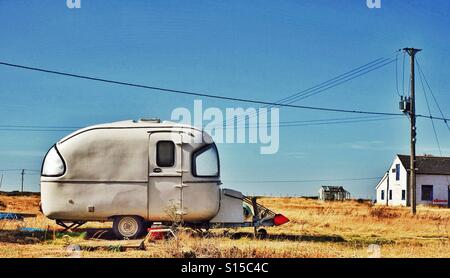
(316, 230)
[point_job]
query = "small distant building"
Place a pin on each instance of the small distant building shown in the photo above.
(432, 182)
(333, 193)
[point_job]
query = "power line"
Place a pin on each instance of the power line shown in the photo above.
(333, 82)
(294, 124)
(280, 124)
(16, 170)
(36, 130)
(333, 120)
(323, 109)
(348, 76)
(10, 170)
(429, 111)
(38, 126)
(311, 124)
(167, 90)
(422, 75)
(347, 120)
(285, 122)
(21, 173)
(434, 97)
(432, 117)
(396, 75)
(303, 181)
(342, 82)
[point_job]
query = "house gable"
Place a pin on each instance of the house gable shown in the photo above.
(391, 189)
(383, 179)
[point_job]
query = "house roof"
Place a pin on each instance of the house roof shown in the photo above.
(334, 188)
(432, 165)
(382, 179)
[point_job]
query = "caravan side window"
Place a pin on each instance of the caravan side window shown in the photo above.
(165, 154)
(205, 162)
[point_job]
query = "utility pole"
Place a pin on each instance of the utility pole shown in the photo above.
(23, 173)
(412, 113)
(387, 188)
(1, 181)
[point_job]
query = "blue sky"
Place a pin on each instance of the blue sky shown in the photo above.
(252, 49)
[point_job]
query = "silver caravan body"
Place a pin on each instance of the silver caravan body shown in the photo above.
(153, 170)
(135, 173)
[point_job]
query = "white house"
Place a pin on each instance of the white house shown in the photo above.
(432, 182)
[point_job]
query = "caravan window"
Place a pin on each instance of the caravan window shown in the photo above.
(54, 165)
(206, 162)
(165, 153)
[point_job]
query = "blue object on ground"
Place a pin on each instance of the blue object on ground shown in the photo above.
(10, 216)
(31, 230)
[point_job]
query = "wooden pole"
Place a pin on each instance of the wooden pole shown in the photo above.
(412, 113)
(23, 173)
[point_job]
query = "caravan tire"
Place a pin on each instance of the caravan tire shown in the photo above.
(128, 227)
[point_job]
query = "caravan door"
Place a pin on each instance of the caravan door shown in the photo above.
(165, 176)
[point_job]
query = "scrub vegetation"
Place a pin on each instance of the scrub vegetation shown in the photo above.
(315, 230)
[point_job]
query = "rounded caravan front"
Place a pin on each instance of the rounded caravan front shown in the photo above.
(132, 172)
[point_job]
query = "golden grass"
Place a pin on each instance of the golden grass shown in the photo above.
(316, 230)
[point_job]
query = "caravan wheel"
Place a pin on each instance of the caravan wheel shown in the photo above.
(128, 226)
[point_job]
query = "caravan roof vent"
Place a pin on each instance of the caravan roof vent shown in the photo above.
(153, 120)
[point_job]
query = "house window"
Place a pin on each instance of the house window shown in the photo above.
(382, 194)
(427, 193)
(165, 154)
(390, 194)
(403, 195)
(397, 172)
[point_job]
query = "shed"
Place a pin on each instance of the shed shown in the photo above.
(333, 193)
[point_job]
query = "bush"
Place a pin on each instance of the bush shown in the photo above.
(383, 212)
(2, 206)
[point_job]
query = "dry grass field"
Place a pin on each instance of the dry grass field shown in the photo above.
(316, 230)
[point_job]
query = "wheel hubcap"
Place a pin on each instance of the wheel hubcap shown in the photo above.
(128, 227)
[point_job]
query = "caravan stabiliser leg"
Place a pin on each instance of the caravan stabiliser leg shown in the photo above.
(255, 215)
(74, 225)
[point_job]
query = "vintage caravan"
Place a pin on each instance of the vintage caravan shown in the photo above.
(135, 173)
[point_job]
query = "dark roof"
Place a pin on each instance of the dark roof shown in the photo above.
(432, 165)
(334, 188)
